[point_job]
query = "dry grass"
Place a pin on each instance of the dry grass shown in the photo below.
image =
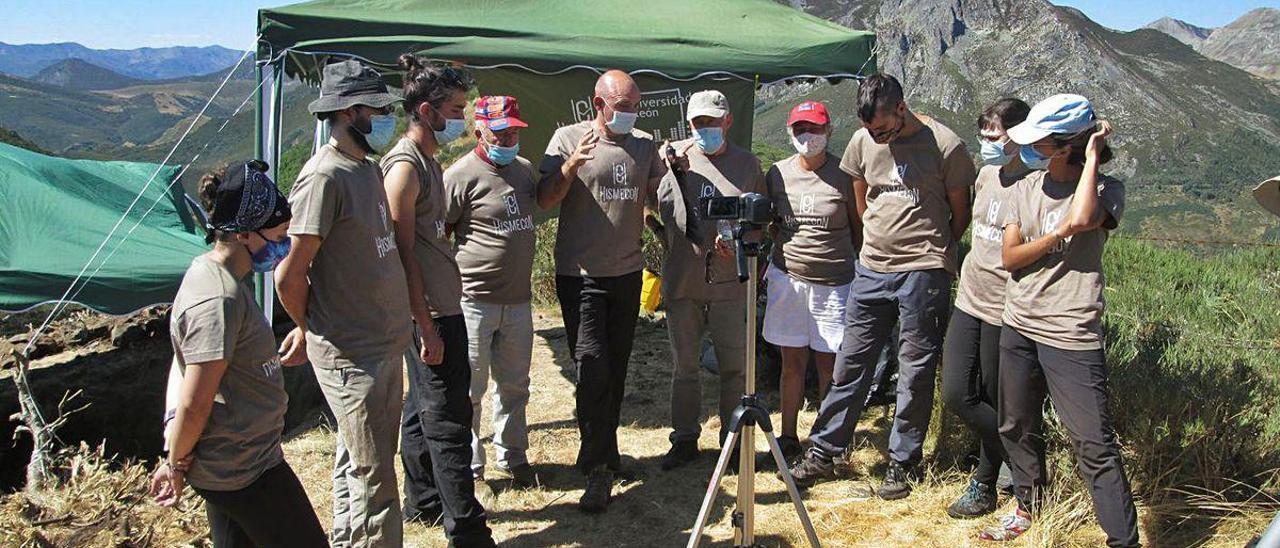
(99, 506)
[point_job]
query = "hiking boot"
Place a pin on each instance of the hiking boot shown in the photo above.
(897, 484)
(811, 469)
(595, 498)
(791, 450)
(522, 476)
(1011, 527)
(681, 453)
(979, 499)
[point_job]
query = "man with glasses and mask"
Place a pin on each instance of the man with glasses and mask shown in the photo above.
(700, 285)
(489, 204)
(344, 287)
(911, 178)
(601, 172)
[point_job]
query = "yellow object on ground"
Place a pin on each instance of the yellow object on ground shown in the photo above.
(650, 292)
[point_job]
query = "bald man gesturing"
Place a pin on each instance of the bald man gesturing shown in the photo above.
(601, 173)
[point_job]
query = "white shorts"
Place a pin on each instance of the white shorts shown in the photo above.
(803, 314)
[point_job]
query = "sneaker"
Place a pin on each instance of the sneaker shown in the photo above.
(897, 484)
(1011, 527)
(522, 476)
(791, 450)
(595, 498)
(1004, 482)
(681, 453)
(811, 469)
(979, 499)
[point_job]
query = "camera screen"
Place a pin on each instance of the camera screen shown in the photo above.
(722, 208)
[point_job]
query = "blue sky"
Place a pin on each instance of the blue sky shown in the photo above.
(139, 23)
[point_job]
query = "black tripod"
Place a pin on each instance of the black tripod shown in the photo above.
(742, 427)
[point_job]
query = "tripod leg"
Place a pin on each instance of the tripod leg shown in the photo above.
(712, 489)
(791, 489)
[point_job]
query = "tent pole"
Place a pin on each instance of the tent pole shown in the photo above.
(258, 150)
(273, 147)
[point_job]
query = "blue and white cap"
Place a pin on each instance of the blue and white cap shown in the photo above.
(1062, 114)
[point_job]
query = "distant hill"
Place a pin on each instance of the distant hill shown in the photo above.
(143, 63)
(80, 75)
(1185, 32)
(11, 138)
(1251, 42)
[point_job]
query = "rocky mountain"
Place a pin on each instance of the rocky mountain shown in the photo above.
(1193, 132)
(1185, 32)
(82, 75)
(1251, 42)
(143, 63)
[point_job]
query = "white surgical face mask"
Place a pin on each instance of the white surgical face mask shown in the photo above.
(453, 128)
(622, 122)
(809, 144)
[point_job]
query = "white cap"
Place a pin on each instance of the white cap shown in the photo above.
(707, 103)
(1268, 195)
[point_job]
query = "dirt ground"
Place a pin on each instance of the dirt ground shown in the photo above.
(102, 502)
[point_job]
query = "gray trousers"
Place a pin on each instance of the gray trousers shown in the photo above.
(918, 301)
(366, 399)
(1076, 382)
(501, 347)
(688, 321)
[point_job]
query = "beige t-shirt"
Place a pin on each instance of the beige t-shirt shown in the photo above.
(684, 274)
(814, 215)
(358, 306)
(214, 318)
(603, 214)
(1058, 300)
(982, 276)
(492, 209)
(907, 224)
(441, 279)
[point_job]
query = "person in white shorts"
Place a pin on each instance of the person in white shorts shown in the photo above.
(812, 261)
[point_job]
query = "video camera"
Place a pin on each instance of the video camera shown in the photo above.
(750, 208)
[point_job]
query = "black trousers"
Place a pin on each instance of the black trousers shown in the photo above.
(970, 386)
(600, 322)
(435, 441)
(271, 512)
(1076, 382)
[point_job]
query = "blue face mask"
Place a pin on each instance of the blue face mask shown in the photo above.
(453, 128)
(1032, 158)
(384, 130)
(993, 153)
(622, 122)
(502, 155)
(709, 139)
(269, 257)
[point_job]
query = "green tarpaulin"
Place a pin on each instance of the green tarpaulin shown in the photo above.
(681, 39)
(54, 213)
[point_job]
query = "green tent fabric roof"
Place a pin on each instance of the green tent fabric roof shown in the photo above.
(679, 38)
(55, 212)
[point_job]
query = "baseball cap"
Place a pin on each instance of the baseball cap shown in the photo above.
(707, 103)
(1268, 195)
(809, 111)
(498, 112)
(1062, 114)
(247, 200)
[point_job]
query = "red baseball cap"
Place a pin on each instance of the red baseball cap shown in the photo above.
(498, 112)
(809, 111)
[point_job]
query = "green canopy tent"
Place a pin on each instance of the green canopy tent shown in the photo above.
(548, 53)
(54, 214)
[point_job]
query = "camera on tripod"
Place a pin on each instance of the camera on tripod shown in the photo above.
(750, 208)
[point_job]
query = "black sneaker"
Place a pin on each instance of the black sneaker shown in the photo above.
(897, 483)
(681, 453)
(791, 450)
(595, 498)
(812, 468)
(522, 476)
(979, 499)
